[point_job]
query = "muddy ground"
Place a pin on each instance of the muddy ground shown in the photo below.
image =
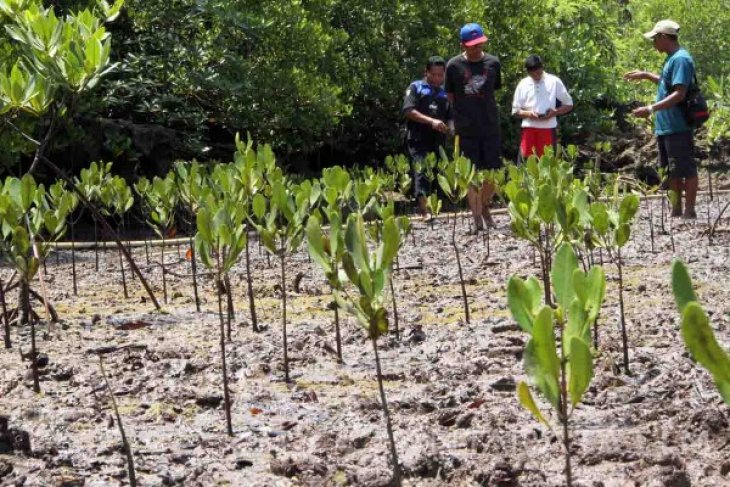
(450, 385)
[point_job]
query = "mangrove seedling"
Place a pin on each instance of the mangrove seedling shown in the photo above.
(368, 271)
(563, 377)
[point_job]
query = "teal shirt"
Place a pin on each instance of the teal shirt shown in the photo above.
(679, 69)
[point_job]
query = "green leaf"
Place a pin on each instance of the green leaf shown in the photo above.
(521, 302)
(259, 206)
(527, 401)
(541, 359)
(580, 369)
(564, 265)
(547, 203)
(390, 243)
(682, 286)
(629, 207)
(623, 234)
(703, 345)
(590, 289)
(315, 244)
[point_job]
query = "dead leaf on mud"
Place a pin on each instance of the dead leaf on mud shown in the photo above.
(133, 325)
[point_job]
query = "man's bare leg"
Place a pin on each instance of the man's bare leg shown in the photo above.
(677, 185)
(474, 200)
(690, 196)
(487, 194)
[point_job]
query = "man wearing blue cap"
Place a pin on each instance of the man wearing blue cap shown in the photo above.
(471, 78)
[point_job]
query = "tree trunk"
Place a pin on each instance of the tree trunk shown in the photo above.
(194, 266)
(162, 266)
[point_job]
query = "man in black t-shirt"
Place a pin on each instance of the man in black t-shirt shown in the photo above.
(471, 78)
(426, 108)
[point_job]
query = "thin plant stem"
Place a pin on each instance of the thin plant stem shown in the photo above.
(226, 393)
(73, 259)
(395, 309)
(125, 443)
(194, 267)
(25, 289)
(6, 321)
(249, 283)
(283, 312)
(461, 274)
(338, 337)
(162, 266)
(624, 336)
(393, 451)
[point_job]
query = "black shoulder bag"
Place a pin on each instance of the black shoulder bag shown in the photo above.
(694, 106)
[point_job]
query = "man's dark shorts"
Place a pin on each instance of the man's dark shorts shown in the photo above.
(421, 186)
(483, 152)
(676, 154)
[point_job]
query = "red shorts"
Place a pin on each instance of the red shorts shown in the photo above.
(535, 140)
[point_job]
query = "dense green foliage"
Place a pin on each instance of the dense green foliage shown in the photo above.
(323, 80)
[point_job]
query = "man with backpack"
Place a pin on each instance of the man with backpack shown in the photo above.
(426, 108)
(675, 135)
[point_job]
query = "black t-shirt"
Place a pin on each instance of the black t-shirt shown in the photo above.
(432, 102)
(472, 85)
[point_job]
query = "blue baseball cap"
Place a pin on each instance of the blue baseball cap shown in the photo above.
(472, 34)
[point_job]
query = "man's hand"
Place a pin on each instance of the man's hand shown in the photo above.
(550, 114)
(531, 114)
(636, 75)
(642, 112)
(439, 126)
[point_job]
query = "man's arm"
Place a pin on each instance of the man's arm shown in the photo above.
(676, 97)
(518, 101)
(561, 93)
(418, 117)
(642, 75)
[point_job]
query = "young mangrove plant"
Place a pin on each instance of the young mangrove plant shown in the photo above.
(697, 332)
(220, 239)
(160, 198)
(560, 376)
(547, 206)
(250, 168)
(91, 182)
(369, 271)
(26, 215)
(611, 225)
(281, 230)
(191, 179)
(455, 179)
(116, 200)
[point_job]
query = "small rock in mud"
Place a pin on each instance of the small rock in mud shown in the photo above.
(242, 463)
(504, 384)
(678, 478)
(361, 437)
(209, 401)
(6, 468)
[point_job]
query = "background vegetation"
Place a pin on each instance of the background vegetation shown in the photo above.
(322, 80)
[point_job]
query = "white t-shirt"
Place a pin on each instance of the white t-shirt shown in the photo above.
(540, 97)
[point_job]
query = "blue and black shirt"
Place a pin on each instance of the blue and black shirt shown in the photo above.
(432, 102)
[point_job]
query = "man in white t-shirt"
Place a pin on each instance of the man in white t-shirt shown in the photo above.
(535, 102)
